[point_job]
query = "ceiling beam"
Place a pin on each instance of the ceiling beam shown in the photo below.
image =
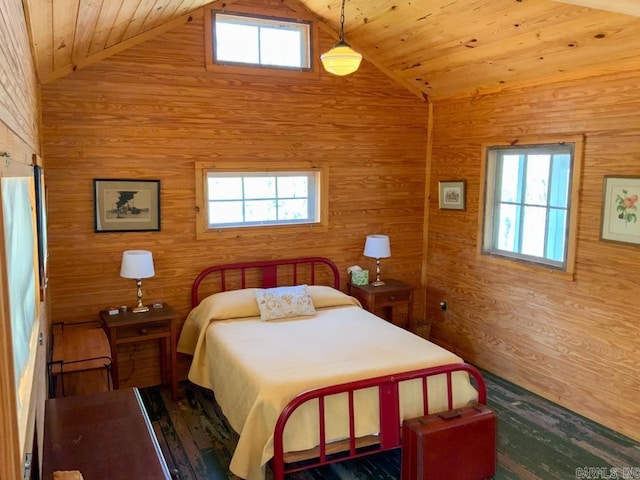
(627, 7)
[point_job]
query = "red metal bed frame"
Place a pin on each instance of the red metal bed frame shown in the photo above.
(269, 270)
(328, 452)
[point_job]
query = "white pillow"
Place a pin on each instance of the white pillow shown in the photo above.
(284, 302)
(323, 296)
(230, 304)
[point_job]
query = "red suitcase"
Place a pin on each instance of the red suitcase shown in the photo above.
(458, 444)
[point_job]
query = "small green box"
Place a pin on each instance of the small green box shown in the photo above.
(360, 278)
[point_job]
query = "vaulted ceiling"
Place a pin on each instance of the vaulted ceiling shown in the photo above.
(435, 48)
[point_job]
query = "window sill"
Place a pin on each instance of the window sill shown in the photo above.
(498, 261)
(240, 232)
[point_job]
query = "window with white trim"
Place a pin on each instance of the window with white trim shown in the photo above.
(242, 39)
(236, 199)
(249, 199)
(530, 203)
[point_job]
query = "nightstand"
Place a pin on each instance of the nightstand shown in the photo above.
(156, 324)
(385, 297)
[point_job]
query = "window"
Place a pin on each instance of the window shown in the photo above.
(272, 42)
(234, 198)
(261, 41)
(530, 202)
(243, 199)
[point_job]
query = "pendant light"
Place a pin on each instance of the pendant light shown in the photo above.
(341, 59)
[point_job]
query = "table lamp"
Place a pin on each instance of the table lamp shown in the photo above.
(377, 246)
(137, 264)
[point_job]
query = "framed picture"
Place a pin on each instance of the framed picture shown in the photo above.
(451, 194)
(126, 205)
(620, 209)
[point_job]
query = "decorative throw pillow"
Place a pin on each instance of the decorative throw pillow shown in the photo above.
(284, 302)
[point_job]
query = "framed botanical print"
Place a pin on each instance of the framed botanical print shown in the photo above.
(620, 209)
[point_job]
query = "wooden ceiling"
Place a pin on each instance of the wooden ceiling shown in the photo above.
(435, 48)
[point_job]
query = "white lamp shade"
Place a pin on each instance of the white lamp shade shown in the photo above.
(341, 60)
(137, 264)
(377, 246)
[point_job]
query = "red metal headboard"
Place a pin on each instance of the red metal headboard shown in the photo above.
(269, 273)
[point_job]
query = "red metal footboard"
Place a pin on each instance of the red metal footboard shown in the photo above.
(390, 422)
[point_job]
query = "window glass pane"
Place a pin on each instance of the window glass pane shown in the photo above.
(527, 207)
(510, 181)
(19, 237)
(293, 187)
(293, 209)
(237, 43)
(225, 212)
(507, 227)
(259, 187)
(534, 226)
(556, 234)
(260, 211)
(287, 197)
(280, 47)
(537, 182)
(559, 194)
(224, 188)
(261, 41)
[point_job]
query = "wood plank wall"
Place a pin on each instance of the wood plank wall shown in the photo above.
(19, 95)
(153, 111)
(574, 342)
(20, 140)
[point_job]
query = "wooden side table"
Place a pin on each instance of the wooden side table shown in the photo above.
(156, 324)
(393, 293)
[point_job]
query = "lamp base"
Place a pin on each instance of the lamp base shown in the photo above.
(377, 283)
(140, 309)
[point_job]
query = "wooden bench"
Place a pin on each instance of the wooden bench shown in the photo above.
(103, 435)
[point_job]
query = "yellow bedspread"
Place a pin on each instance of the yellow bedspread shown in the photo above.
(255, 368)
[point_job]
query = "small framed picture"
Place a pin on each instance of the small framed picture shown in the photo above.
(122, 205)
(620, 222)
(451, 195)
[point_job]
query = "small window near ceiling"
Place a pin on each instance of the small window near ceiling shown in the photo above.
(240, 39)
(530, 203)
(256, 199)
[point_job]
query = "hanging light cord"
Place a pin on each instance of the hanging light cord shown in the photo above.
(342, 23)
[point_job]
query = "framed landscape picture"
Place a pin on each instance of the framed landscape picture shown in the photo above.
(451, 195)
(620, 209)
(122, 205)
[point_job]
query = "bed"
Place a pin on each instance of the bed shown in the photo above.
(327, 381)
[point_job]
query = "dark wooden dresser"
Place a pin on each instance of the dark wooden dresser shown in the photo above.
(105, 435)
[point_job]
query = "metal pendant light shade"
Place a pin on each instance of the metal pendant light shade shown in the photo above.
(341, 59)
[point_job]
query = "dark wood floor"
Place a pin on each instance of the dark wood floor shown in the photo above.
(536, 440)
